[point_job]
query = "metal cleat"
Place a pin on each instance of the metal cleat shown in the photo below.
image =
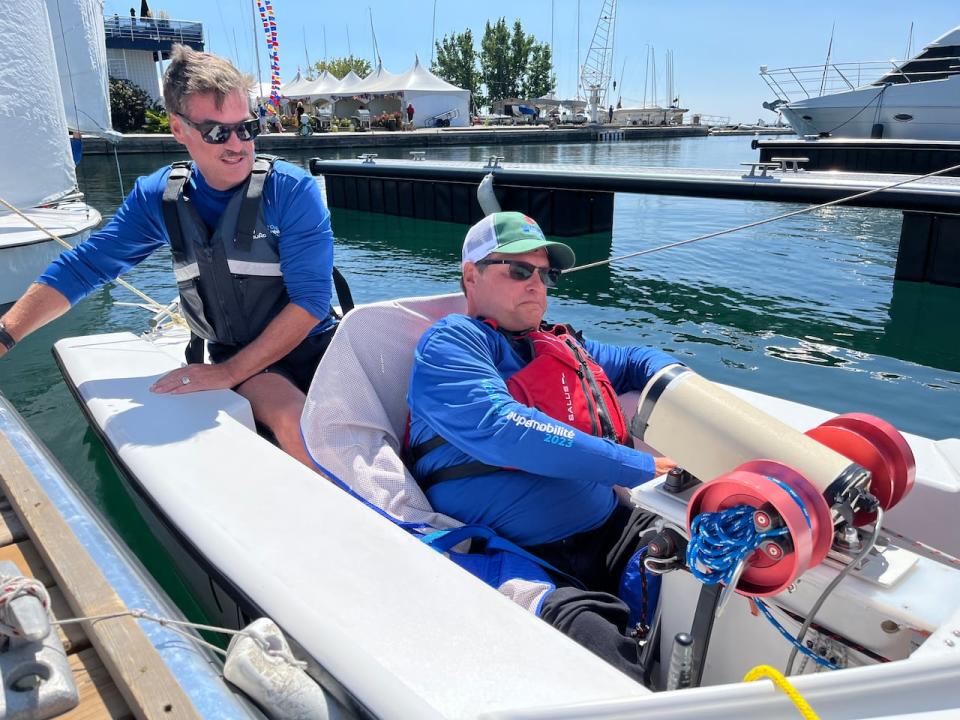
(368, 158)
(36, 678)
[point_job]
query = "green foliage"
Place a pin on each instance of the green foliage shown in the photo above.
(539, 79)
(157, 121)
(128, 105)
(496, 68)
(511, 64)
(456, 62)
(341, 66)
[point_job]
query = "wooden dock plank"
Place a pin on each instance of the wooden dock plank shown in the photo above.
(26, 557)
(145, 682)
(72, 635)
(99, 696)
(11, 529)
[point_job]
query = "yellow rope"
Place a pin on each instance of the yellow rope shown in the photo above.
(175, 317)
(765, 671)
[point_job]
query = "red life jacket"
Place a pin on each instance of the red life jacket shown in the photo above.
(564, 382)
(561, 380)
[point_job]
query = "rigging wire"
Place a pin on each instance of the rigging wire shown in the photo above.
(855, 562)
(757, 223)
(155, 305)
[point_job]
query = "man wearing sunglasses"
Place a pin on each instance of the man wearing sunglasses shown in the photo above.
(252, 252)
(515, 425)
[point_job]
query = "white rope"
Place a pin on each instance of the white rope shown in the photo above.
(13, 587)
(757, 223)
(178, 626)
(156, 306)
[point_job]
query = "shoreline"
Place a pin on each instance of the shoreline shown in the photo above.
(422, 138)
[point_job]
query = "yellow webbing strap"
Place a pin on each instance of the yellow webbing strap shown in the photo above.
(765, 671)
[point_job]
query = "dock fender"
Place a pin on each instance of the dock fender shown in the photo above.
(487, 197)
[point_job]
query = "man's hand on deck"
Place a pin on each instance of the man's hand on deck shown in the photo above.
(663, 465)
(194, 377)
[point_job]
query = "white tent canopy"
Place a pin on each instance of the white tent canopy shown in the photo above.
(295, 87)
(434, 101)
(321, 88)
(433, 98)
(377, 82)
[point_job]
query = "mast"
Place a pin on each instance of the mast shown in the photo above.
(578, 48)
(305, 53)
(256, 48)
(622, 71)
(823, 79)
(597, 69)
(373, 34)
(646, 76)
(433, 37)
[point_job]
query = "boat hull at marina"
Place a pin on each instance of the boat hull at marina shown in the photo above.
(919, 111)
(26, 251)
(381, 617)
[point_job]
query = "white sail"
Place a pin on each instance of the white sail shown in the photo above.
(34, 145)
(79, 41)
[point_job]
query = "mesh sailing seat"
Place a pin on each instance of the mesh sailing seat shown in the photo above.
(355, 416)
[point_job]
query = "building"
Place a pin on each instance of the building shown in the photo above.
(135, 46)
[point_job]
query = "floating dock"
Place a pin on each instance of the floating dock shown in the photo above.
(911, 157)
(573, 200)
(122, 667)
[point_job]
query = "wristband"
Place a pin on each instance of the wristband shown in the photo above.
(6, 339)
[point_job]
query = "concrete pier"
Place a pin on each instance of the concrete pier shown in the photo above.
(423, 138)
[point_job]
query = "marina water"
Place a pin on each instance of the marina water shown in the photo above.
(804, 309)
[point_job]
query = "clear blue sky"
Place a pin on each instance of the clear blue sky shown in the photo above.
(718, 47)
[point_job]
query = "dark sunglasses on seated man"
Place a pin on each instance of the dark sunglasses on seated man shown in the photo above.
(215, 133)
(520, 270)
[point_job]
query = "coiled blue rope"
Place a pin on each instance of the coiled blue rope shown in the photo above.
(719, 541)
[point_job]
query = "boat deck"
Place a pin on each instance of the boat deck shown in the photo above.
(118, 671)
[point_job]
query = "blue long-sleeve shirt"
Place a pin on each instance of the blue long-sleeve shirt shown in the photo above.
(458, 390)
(291, 202)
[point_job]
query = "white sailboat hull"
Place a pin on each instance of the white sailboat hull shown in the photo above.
(26, 251)
(408, 634)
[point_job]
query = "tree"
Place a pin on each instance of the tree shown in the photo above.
(514, 64)
(456, 62)
(339, 67)
(495, 65)
(128, 105)
(539, 79)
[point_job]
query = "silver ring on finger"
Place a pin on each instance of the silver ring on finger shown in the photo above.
(184, 380)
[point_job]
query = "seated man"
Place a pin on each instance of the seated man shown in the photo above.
(515, 425)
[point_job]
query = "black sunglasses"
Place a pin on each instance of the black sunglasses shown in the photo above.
(215, 133)
(520, 270)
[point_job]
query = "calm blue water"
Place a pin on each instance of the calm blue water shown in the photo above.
(805, 308)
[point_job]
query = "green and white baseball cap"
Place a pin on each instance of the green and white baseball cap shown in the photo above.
(513, 233)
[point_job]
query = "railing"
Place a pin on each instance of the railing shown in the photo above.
(152, 29)
(809, 81)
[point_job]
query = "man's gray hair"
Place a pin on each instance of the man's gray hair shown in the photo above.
(196, 73)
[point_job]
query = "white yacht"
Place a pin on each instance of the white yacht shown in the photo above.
(914, 99)
(649, 115)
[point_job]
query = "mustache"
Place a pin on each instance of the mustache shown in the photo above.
(232, 154)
